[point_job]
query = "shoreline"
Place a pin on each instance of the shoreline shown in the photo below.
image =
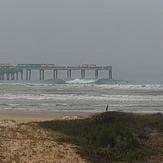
(22, 116)
(33, 116)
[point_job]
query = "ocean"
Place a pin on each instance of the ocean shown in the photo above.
(80, 96)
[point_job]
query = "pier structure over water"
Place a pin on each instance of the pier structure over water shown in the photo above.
(17, 72)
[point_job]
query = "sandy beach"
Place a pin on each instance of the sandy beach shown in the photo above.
(24, 141)
(30, 116)
(44, 137)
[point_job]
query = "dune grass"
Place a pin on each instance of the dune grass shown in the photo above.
(113, 136)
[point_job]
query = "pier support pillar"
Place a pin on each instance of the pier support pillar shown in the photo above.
(0, 76)
(3, 76)
(12, 76)
(69, 74)
(21, 75)
(17, 76)
(42, 74)
(96, 74)
(110, 73)
(8, 76)
(83, 74)
(28, 74)
(55, 74)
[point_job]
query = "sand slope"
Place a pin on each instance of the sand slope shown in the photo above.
(28, 143)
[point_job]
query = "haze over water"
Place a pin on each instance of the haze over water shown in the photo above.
(80, 96)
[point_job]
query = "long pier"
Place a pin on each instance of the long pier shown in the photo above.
(16, 72)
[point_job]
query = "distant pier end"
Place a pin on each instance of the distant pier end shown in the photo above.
(24, 71)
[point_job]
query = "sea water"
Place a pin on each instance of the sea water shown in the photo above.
(80, 96)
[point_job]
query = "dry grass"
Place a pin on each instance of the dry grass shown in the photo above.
(28, 143)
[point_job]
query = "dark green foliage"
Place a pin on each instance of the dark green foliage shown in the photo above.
(110, 135)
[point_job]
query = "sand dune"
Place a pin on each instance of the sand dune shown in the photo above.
(28, 143)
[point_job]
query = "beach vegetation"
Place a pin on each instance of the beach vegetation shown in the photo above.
(113, 136)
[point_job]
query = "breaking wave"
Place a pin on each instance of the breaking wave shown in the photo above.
(80, 81)
(132, 86)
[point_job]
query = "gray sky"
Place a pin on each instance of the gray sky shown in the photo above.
(127, 34)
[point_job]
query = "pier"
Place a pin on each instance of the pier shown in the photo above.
(24, 71)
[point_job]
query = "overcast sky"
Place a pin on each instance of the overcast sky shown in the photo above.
(127, 34)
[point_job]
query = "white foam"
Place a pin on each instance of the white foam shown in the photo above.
(80, 81)
(133, 86)
(72, 97)
(6, 83)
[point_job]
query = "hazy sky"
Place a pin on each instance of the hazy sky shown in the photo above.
(127, 34)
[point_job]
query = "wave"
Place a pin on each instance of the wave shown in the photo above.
(132, 86)
(97, 81)
(71, 83)
(72, 97)
(80, 81)
(110, 81)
